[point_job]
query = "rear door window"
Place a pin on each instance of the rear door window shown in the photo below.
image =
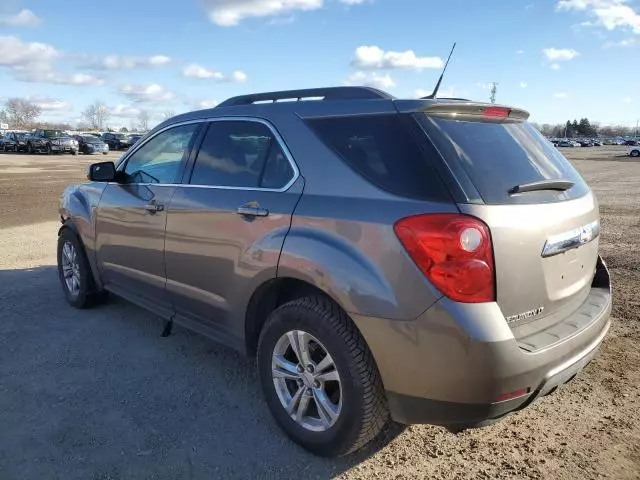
(500, 156)
(384, 150)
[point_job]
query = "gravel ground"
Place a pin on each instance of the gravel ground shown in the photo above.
(98, 394)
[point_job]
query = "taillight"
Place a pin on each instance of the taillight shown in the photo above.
(453, 251)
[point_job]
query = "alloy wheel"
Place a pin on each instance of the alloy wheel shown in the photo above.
(71, 268)
(306, 381)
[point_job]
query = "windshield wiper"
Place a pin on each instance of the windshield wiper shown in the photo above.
(559, 185)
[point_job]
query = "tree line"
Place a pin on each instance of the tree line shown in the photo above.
(23, 114)
(584, 128)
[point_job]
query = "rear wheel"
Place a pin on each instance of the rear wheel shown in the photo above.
(635, 153)
(319, 378)
(74, 272)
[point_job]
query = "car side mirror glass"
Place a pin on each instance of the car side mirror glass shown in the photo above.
(102, 172)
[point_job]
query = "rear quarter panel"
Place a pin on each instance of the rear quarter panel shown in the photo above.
(347, 248)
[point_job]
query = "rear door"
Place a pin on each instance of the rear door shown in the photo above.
(542, 216)
(227, 223)
(131, 218)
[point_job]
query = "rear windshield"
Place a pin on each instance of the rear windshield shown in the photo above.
(499, 156)
(386, 151)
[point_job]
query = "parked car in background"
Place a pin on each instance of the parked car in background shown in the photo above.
(631, 143)
(585, 143)
(597, 143)
(634, 151)
(565, 143)
(116, 141)
(88, 144)
(7, 144)
(133, 139)
(51, 141)
(424, 261)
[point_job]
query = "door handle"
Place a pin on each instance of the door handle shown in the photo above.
(153, 208)
(252, 211)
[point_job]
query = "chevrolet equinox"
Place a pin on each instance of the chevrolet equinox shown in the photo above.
(418, 261)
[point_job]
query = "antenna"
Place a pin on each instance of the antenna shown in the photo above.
(435, 90)
(494, 89)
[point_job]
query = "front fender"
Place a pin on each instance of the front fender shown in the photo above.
(368, 277)
(78, 207)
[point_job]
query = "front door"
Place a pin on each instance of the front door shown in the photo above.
(132, 217)
(226, 227)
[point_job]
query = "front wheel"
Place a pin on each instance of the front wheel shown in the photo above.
(319, 378)
(635, 153)
(74, 272)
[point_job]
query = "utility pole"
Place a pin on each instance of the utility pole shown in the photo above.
(494, 89)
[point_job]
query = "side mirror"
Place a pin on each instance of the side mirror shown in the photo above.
(102, 172)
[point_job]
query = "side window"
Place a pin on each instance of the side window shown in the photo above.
(160, 159)
(383, 150)
(241, 154)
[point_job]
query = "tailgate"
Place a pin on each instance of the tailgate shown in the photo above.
(534, 282)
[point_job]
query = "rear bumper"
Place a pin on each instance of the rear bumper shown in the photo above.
(459, 416)
(454, 364)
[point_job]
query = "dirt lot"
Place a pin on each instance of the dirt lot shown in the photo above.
(100, 395)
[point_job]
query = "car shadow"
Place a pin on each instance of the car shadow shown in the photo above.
(99, 393)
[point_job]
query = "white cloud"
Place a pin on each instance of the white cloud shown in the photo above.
(353, 2)
(229, 13)
(627, 42)
(26, 55)
(610, 14)
(206, 104)
(50, 104)
(524, 84)
(483, 86)
(420, 92)
(198, 71)
(372, 57)
(159, 60)
(124, 111)
(24, 18)
(560, 95)
(555, 66)
(128, 62)
(627, 100)
(560, 54)
(59, 78)
(520, 52)
(370, 79)
(147, 93)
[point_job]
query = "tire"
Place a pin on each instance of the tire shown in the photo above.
(362, 413)
(49, 151)
(635, 153)
(30, 149)
(87, 293)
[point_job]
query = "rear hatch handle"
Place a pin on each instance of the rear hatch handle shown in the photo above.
(560, 185)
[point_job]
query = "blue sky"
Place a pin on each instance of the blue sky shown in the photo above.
(557, 58)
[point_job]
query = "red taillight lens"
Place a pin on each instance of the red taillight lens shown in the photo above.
(496, 112)
(454, 252)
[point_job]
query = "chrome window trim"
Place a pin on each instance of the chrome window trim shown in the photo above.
(274, 132)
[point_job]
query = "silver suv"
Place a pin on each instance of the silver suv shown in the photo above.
(421, 261)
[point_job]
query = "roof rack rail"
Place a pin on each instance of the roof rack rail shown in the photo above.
(329, 93)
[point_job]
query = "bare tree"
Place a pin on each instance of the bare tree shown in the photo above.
(21, 113)
(96, 115)
(168, 114)
(143, 120)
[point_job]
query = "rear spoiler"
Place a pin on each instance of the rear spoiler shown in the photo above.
(475, 111)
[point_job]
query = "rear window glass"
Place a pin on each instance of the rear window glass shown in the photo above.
(384, 150)
(499, 156)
